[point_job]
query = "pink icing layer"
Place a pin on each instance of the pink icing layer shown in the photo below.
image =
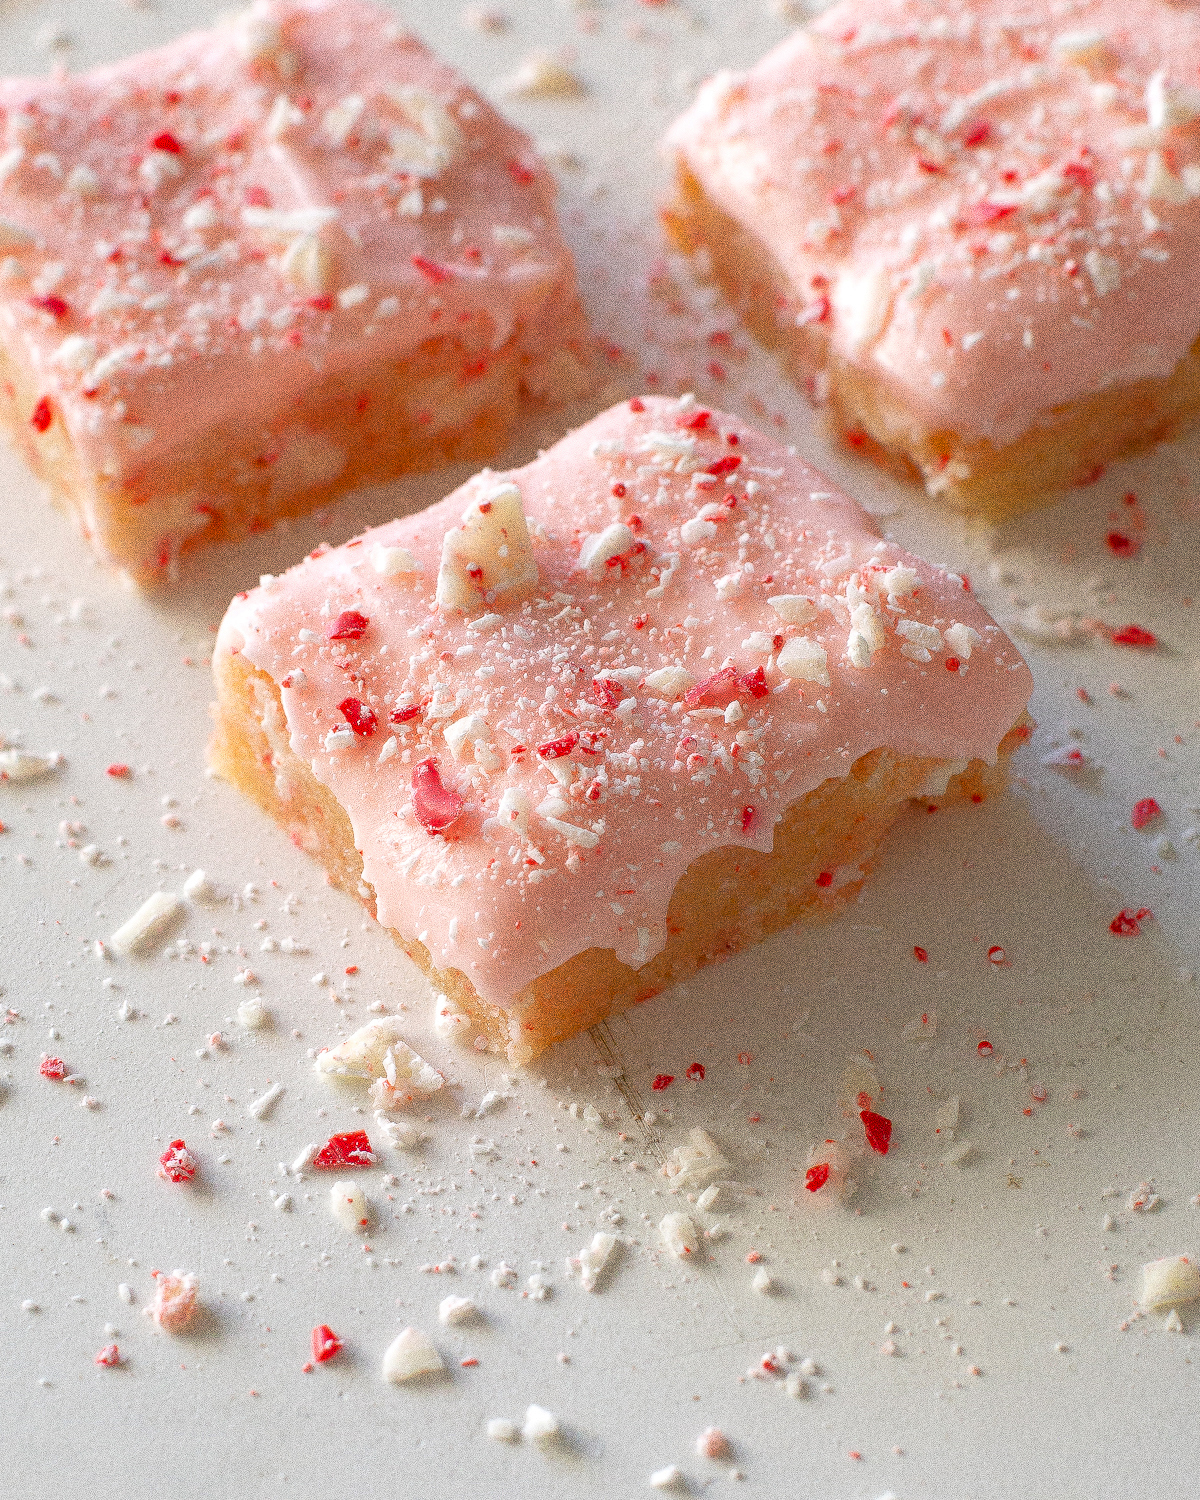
(993, 210)
(147, 291)
(658, 783)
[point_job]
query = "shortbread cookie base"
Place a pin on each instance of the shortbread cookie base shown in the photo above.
(727, 900)
(359, 428)
(1071, 444)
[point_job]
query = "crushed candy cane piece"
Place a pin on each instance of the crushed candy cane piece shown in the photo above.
(378, 1054)
(148, 924)
(349, 1149)
(176, 1295)
(878, 1130)
(16, 765)
(177, 1164)
(349, 1206)
(261, 1107)
(107, 1357)
(679, 1235)
(670, 1478)
(1144, 812)
(594, 1257)
(325, 1343)
(540, 1426)
(455, 1310)
(53, 1068)
(411, 1354)
(694, 1164)
(501, 1430)
(712, 1443)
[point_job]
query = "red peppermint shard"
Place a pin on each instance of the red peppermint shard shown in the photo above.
(1129, 923)
(437, 807)
(51, 304)
(920, 955)
(360, 716)
(695, 1072)
(662, 1081)
(878, 1129)
(53, 1068)
(107, 1357)
(725, 465)
(432, 270)
(556, 749)
(1134, 635)
(325, 1343)
(985, 1048)
(1145, 812)
(177, 1164)
(607, 691)
(41, 416)
(167, 142)
(351, 1149)
(754, 683)
(720, 684)
(402, 715)
(816, 1177)
(349, 626)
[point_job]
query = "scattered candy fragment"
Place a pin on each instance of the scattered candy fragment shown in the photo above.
(501, 1430)
(149, 922)
(410, 1354)
(1134, 635)
(670, 1478)
(350, 1149)
(349, 626)
(540, 1426)
(712, 1443)
(1128, 923)
(454, 1310)
(594, 1257)
(436, 806)
(107, 1357)
(325, 1343)
(679, 1235)
(1145, 812)
(695, 1072)
(175, 1299)
(177, 1164)
(348, 1204)
(662, 1081)
(816, 1177)
(1172, 1280)
(878, 1129)
(53, 1068)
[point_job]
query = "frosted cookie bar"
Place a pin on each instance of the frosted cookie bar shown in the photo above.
(975, 230)
(584, 727)
(265, 264)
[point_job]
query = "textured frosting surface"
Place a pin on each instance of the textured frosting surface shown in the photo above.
(204, 230)
(994, 207)
(646, 662)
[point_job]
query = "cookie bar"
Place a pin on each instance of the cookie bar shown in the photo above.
(975, 232)
(584, 727)
(265, 264)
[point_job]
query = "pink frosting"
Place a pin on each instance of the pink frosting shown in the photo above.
(152, 295)
(656, 782)
(992, 209)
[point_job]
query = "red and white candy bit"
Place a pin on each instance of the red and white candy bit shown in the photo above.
(325, 1343)
(997, 957)
(695, 1072)
(53, 1068)
(1144, 812)
(350, 1149)
(1128, 923)
(360, 716)
(816, 1177)
(437, 806)
(878, 1129)
(350, 625)
(985, 1048)
(662, 1081)
(712, 1443)
(175, 1299)
(177, 1164)
(107, 1357)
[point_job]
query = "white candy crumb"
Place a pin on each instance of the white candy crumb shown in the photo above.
(542, 76)
(501, 1430)
(449, 1018)
(198, 888)
(694, 1164)
(1174, 1279)
(540, 1426)
(712, 1443)
(400, 1133)
(148, 923)
(377, 1053)
(411, 1353)
(670, 1478)
(348, 1205)
(125, 1292)
(251, 1013)
(796, 1386)
(15, 765)
(393, 562)
(679, 1235)
(762, 1281)
(593, 1259)
(261, 1107)
(453, 1310)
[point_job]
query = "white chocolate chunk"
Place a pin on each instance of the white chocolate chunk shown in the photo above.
(1172, 1280)
(679, 1235)
(540, 1426)
(594, 1257)
(490, 556)
(252, 1013)
(793, 609)
(669, 683)
(147, 924)
(804, 660)
(393, 562)
(411, 1353)
(455, 1310)
(348, 1205)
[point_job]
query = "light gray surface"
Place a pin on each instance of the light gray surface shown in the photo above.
(1013, 1240)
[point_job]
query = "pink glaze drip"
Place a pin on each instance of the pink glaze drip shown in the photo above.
(127, 197)
(666, 782)
(989, 219)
